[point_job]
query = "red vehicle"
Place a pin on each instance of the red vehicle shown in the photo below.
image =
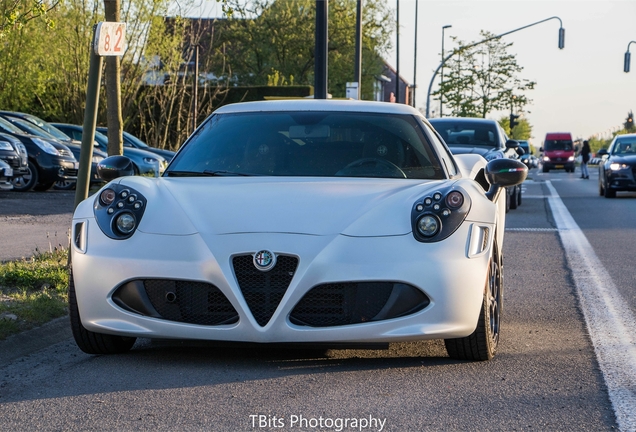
(558, 152)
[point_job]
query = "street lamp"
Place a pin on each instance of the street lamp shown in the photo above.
(628, 58)
(459, 49)
(441, 88)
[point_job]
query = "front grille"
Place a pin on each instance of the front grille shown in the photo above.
(263, 291)
(348, 303)
(177, 300)
(70, 172)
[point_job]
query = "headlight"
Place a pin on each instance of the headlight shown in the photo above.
(118, 210)
(494, 155)
(571, 159)
(47, 147)
(437, 216)
(5, 145)
(618, 166)
(546, 159)
(21, 148)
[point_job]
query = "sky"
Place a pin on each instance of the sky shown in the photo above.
(580, 89)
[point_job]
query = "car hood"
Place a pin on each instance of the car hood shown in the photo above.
(139, 154)
(309, 206)
(626, 159)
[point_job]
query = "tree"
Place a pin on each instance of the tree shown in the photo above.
(629, 122)
(260, 44)
(522, 131)
(482, 79)
(16, 13)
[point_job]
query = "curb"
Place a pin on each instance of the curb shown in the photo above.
(31, 341)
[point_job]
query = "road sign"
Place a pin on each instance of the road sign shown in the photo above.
(110, 38)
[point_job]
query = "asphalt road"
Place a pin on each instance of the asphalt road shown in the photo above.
(545, 376)
(32, 222)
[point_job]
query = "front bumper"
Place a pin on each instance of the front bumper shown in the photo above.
(453, 281)
(622, 180)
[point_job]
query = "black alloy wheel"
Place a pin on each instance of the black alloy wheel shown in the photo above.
(27, 181)
(482, 343)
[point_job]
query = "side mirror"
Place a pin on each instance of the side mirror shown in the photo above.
(512, 143)
(602, 152)
(501, 173)
(115, 166)
(540, 149)
(520, 151)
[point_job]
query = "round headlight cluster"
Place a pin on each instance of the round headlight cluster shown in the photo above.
(438, 215)
(118, 210)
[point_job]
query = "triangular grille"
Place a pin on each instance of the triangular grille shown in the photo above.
(263, 291)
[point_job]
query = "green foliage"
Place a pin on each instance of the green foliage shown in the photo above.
(16, 13)
(259, 41)
(482, 79)
(34, 290)
(522, 131)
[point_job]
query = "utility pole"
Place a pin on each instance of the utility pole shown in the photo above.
(321, 50)
(114, 120)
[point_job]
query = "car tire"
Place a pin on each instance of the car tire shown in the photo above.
(601, 189)
(518, 195)
(513, 199)
(28, 181)
(609, 193)
(43, 187)
(482, 343)
(91, 342)
(64, 185)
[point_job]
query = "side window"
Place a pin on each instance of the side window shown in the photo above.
(442, 150)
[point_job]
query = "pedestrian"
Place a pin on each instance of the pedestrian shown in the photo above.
(585, 158)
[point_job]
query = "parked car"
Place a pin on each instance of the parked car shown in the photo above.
(14, 154)
(617, 169)
(48, 160)
(144, 163)
(6, 174)
(73, 145)
(558, 152)
(132, 141)
(483, 137)
(527, 157)
(297, 221)
(42, 124)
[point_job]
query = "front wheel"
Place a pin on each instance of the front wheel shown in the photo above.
(91, 342)
(609, 192)
(482, 343)
(27, 181)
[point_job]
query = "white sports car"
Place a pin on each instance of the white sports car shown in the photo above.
(311, 221)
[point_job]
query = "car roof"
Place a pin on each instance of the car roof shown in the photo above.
(343, 105)
(462, 119)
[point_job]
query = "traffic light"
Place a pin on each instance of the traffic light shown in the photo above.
(513, 120)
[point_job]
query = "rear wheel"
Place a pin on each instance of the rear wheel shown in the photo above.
(64, 185)
(91, 342)
(27, 181)
(482, 343)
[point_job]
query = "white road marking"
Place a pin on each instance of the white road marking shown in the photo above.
(610, 322)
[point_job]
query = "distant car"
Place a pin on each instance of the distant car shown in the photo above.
(297, 221)
(483, 137)
(617, 169)
(6, 174)
(527, 157)
(48, 160)
(132, 141)
(558, 152)
(14, 154)
(73, 145)
(144, 163)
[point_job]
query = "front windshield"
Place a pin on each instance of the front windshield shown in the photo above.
(31, 128)
(565, 145)
(310, 143)
(460, 133)
(8, 127)
(625, 146)
(48, 127)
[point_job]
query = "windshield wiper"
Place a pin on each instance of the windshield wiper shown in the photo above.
(206, 173)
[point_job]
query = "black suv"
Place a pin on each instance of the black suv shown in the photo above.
(480, 136)
(48, 161)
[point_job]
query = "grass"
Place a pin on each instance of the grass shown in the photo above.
(33, 291)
